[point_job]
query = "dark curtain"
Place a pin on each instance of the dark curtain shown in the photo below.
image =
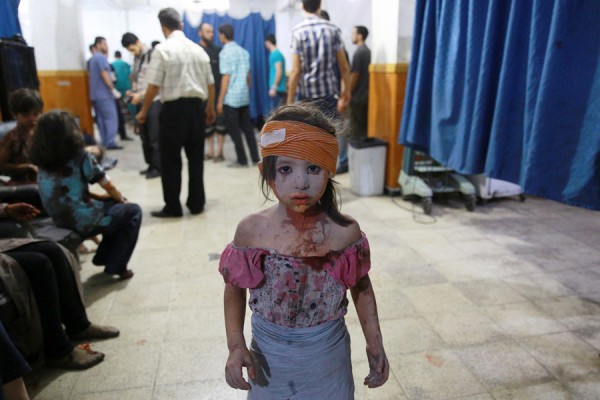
(9, 18)
(250, 33)
(509, 88)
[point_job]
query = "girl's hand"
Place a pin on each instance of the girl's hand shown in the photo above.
(379, 367)
(238, 358)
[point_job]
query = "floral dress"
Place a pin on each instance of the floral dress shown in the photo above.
(298, 330)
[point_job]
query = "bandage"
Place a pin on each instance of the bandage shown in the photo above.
(301, 141)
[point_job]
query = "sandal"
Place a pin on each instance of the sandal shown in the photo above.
(219, 158)
(82, 357)
(96, 332)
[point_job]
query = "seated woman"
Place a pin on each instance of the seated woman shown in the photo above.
(50, 271)
(65, 173)
(26, 106)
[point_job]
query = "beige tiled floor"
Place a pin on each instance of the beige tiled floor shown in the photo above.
(502, 303)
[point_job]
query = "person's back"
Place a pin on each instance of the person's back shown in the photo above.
(122, 71)
(317, 42)
(179, 57)
(237, 66)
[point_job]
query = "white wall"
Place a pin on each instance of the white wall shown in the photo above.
(57, 45)
(393, 23)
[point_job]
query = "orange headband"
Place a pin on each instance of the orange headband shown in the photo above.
(301, 141)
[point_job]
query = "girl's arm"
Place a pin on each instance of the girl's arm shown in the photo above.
(366, 308)
(239, 355)
(111, 189)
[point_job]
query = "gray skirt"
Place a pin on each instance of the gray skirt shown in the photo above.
(301, 363)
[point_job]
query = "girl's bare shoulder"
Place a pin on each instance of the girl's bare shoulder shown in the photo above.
(252, 228)
(344, 236)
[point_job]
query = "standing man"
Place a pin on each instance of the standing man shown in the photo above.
(316, 45)
(149, 132)
(103, 94)
(277, 79)
(122, 70)
(207, 35)
(234, 97)
(359, 83)
(180, 69)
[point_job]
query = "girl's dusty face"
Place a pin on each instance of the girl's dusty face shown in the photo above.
(298, 184)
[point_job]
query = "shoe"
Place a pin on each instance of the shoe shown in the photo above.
(207, 157)
(82, 357)
(152, 173)
(96, 332)
(164, 214)
(128, 274)
(236, 165)
(144, 171)
(342, 169)
(127, 138)
(219, 158)
(196, 212)
(114, 147)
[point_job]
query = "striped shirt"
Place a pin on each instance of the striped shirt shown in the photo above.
(180, 68)
(317, 42)
(234, 61)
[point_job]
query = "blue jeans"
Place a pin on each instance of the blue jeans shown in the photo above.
(107, 120)
(119, 237)
(278, 100)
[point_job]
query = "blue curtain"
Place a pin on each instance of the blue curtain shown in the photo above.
(250, 33)
(9, 18)
(509, 88)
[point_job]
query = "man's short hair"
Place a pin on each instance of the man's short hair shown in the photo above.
(362, 30)
(117, 54)
(170, 19)
(92, 47)
(128, 39)
(271, 38)
(98, 40)
(324, 15)
(24, 101)
(311, 6)
(227, 31)
(153, 44)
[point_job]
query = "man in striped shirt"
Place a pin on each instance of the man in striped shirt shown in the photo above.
(317, 52)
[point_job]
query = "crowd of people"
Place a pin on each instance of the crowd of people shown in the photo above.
(182, 95)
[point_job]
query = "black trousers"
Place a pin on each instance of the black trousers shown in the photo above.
(149, 133)
(122, 131)
(359, 113)
(236, 120)
(55, 292)
(182, 126)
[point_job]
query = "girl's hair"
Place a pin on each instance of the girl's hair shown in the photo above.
(56, 141)
(308, 114)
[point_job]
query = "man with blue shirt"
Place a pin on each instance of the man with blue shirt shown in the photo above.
(103, 94)
(234, 97)
(277, 79)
